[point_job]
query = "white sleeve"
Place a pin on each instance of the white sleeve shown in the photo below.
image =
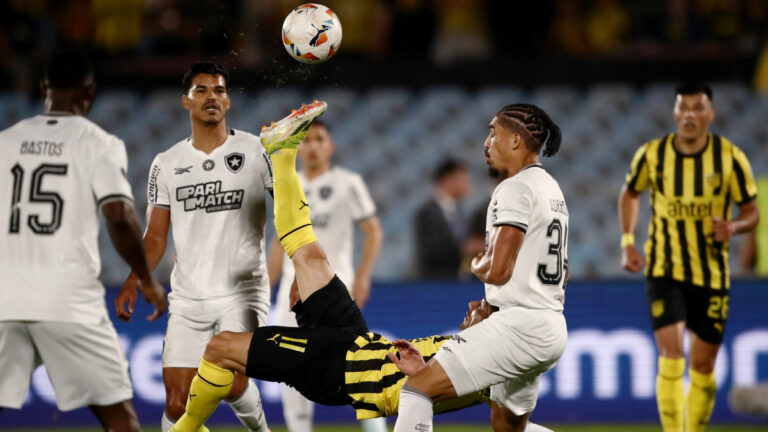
(512, 205)
(267, 178)
(157, 188)
(361, 203)
(109, 181)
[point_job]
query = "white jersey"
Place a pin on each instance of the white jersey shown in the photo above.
(337, 200)
(532, 201)
(55, 173)
(218, 211)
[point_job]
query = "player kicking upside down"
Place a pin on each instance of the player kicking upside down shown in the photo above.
(331, 358)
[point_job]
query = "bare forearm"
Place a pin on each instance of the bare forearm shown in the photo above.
(749, 217)
(629, 204)
(154, 249)
(481, 267)
(371, 249)
(123, 228)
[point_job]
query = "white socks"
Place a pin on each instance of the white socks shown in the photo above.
(166, 423)
(415, 412)
(533, 427)
(378, 424)
(298, 411)
(249, 410)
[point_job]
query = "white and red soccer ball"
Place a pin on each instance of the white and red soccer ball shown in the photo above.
(311, 33)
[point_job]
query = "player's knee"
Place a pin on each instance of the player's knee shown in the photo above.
(504, 421)
(309, 255)
(218, 347)
(175, 407)
(703, 366)
(238, 387)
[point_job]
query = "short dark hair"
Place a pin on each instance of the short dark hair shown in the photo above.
(321, 123)
(692, 88)
(67, 69)
(207, 68)
(534, 124)
(446, 167)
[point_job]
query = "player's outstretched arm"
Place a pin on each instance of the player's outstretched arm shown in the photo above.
(123, 227)
(292, 219)
(495, 265)
(629, 204)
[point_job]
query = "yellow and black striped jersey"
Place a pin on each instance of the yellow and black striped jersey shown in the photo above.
(686, 192)
(374, 382)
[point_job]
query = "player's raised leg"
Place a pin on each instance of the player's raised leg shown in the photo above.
(292, 222)
(228, 352)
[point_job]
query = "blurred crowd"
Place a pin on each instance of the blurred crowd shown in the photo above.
(442, 31)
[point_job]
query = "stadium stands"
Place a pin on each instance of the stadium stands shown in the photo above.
(394, 136)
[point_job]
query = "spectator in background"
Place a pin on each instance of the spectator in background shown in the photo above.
(462, 31)
(118, 25)
(440, 225)
(607, 25)
(753, 253)
(567, 30)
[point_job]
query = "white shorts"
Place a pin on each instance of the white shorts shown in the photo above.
(192, 323)
(85, 362)
(507, 352)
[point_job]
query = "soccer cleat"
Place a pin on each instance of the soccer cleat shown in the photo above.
(291, 130)
(202, 429)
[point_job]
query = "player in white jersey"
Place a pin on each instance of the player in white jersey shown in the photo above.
(211, 190)
(525, 269)
(57, 171)
(338, 201)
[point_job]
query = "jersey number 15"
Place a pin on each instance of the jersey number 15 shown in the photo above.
(36, 195)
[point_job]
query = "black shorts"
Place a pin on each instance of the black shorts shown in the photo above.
(312, 357)
(704, 310)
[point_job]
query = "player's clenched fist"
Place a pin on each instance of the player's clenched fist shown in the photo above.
(632, 260)
(722, 229)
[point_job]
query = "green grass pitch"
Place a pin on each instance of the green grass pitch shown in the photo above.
(472, 428)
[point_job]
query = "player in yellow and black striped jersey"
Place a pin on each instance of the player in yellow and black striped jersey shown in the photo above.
(687, 192)
(373, 381)
(695, 178)
(331, 358)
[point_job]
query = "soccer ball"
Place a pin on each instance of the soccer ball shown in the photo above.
(311, 33)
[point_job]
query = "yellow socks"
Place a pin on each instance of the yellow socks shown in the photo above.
(701, 400)
(292, 222)
(209, 387)
(670, 396)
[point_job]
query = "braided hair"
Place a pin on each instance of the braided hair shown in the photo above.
(537, 129)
